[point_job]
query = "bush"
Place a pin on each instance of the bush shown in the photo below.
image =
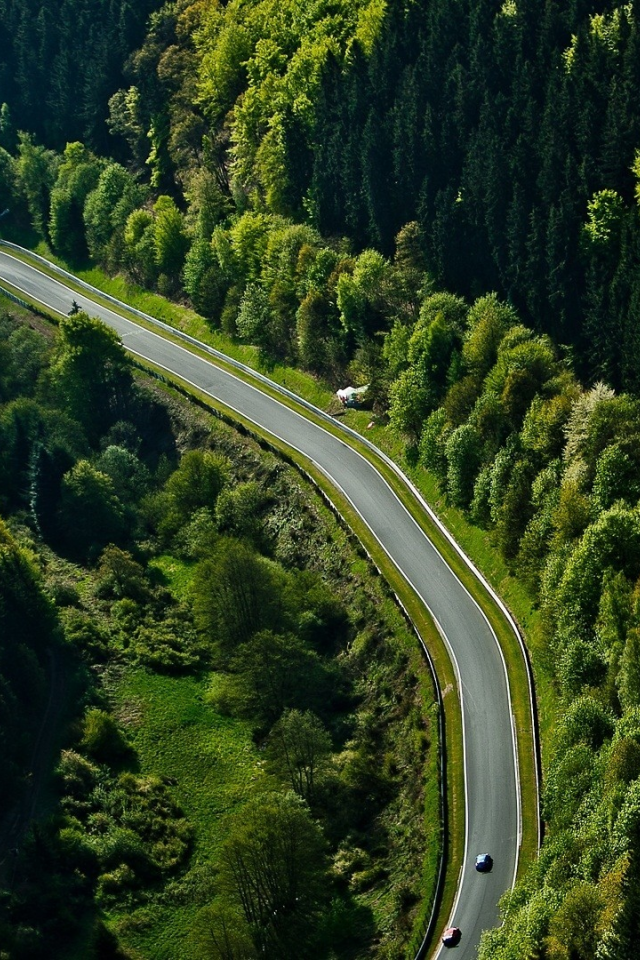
(102, 739)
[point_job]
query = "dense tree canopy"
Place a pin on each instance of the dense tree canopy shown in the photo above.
(314, 178)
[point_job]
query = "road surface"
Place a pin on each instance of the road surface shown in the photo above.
(491, 783)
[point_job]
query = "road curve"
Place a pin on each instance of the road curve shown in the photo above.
(491, 779)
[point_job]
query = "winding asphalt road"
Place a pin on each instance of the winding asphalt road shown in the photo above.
(492, 788)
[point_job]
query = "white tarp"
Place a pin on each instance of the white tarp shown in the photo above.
(347, 393)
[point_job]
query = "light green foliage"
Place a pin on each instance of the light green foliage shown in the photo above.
(139, 246)
(480, 507)
(101, 737)
(501, 471)
(319, 269)
(274, 55)
(203, 279)
(77, 773)
(126, 120)
(351, 304)
(126, 829)
(238, 510)
(617, 475)
(433, 443)
(106, 211)
(544, 422)
(409, 403)
(220, 932)
(568, 782)
(585, 721)
(488, 322)
(626, 832)
(463, 453)
(615, 617)
(361, 295)
(170, 239)
(528, 923)
(370, 21)
(254, 314)
(623, 765)
(572, 512)
(629, 673)
(573, 929)
(249, 236)
(225, 50)
(196, 483)
(523, 367)
(158, 158)
(427, 352)
(605, 212)
(36, 169)
(596, 418)
(603, 35)
(77, 177)
(197, 537)
(439, 329)
(612, 541)
(290, 247)
(208, 202)
(396, 348)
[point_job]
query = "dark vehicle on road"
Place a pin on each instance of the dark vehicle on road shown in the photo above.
(451, 937)
(483, 863)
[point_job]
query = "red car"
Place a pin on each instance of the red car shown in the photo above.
(451, 937)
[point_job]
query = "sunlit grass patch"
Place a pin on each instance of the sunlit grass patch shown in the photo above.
(213, 767)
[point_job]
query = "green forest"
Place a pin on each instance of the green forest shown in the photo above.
(438, 199)
(216, 675)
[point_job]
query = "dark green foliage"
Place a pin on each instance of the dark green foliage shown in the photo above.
(282, 635)
(26, 631)
(90, 515)
(276, 672)
(298, 750)
(60, 62)
(272, 868)
(90, 373)
(235, 595)
(101, 739)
